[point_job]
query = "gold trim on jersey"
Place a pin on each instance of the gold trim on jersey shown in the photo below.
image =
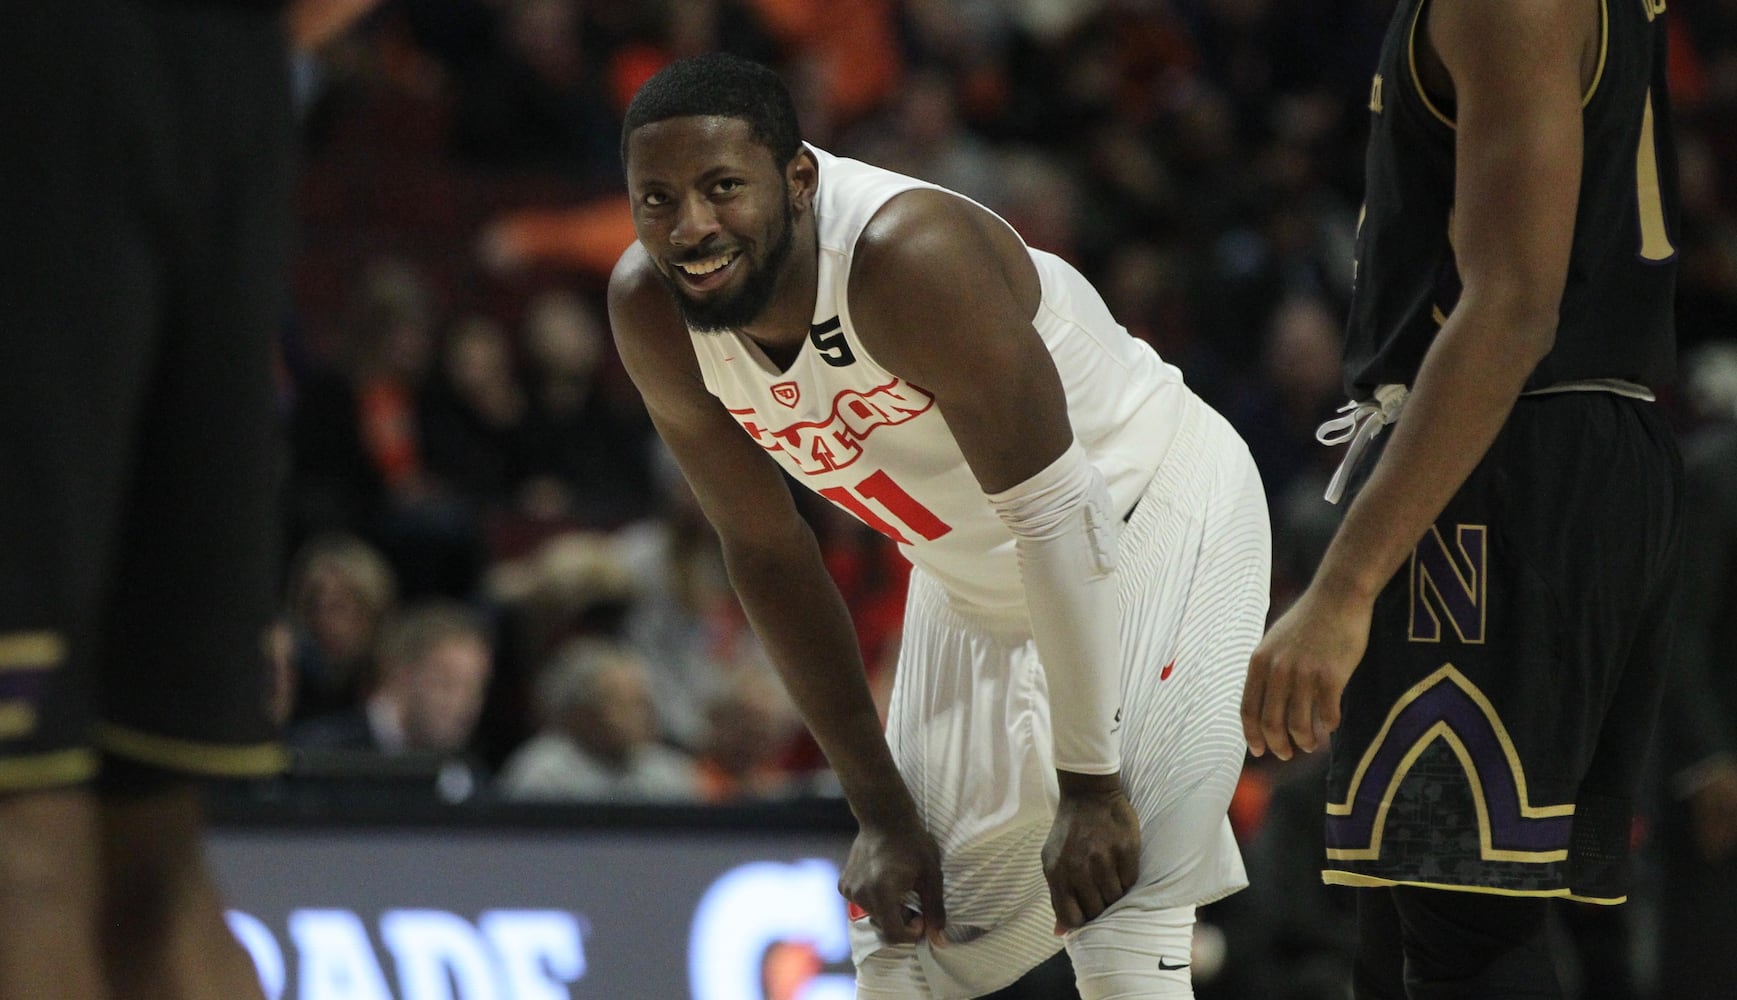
(1591, 89)
(1416, 79)
(61, 767)
(31, 650)
(1655, 236)
(1446, 674)
(1334, 876)
(1652, 9)
(192, 756)
(1603, 51)
(1375, 94)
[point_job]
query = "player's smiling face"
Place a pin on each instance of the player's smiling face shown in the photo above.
(712, 209)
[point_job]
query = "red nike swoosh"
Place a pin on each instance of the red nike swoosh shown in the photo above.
(1164, 674)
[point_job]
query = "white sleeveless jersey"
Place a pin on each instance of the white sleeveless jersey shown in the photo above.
(877, 445)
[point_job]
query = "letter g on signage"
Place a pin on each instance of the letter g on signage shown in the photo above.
(754, 906)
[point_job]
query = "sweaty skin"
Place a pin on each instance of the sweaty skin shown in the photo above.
(942, 295)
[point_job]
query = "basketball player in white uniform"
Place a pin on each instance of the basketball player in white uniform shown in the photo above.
(1089, 541)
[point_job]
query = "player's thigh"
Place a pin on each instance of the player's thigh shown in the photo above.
(891, 973)
(80, 296)
(1197, 566)
(1136, 951)
(182, 667)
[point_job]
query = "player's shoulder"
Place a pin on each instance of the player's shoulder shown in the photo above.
(643, 317)
(634, 278)
(922, 219)
(639, 304)
(926, 236)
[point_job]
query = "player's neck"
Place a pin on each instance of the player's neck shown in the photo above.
(782, 327)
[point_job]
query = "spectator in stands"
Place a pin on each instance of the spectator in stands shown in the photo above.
(1697, 826)
(599, 738)
(341, 591)
(749, 724)
(474, 419)
(589, 444)
(435, 662)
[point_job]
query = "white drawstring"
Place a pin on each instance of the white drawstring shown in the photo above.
(1362, 423)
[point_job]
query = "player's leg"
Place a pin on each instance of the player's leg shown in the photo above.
(1474, 946)
(48, 896)
(78, 294)
(1195, 560)
(185, 683)
(968, 726)
(163, 931)
(891, 973)
(1378, 969)
(1135, 952)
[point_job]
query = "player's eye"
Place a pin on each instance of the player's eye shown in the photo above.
(654, 199)
(728, 185)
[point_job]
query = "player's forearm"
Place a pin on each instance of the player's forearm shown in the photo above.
(1066, 534)
(1463, 394)
(800, 617)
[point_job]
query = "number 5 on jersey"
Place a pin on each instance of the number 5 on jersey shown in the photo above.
(890, 495)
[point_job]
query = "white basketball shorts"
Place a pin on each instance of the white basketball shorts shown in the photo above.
(969, 727)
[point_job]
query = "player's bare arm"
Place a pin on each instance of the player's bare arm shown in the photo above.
(775, 565)
(1515, 75)
(943, 294)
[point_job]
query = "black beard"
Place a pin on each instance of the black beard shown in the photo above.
(720, 314)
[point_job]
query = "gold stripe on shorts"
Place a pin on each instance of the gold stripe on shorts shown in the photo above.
(48, 770)
(218, 759)
(31, 650)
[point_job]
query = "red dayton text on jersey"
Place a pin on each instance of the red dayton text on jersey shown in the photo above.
(834, 443)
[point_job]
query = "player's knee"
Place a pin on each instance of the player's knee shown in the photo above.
(153, 840)
(47, 848)
(1136, 952)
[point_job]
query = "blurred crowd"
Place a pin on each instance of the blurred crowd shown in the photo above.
(495, 567)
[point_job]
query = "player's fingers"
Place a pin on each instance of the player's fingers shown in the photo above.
(934, 910)
(1108, 881)
(1128, 866)
(1274, 714)
(1090, 900)
(887, 911)
(1253, 695)
(1067, 911)
(1327, 706)
(1300, 720)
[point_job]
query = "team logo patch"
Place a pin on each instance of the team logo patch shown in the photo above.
(787, 393)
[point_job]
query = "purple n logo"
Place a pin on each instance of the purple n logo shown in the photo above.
(1449, 583)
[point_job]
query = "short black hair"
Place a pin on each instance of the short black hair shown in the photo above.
(722, 85)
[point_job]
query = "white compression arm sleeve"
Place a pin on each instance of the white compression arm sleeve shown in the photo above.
(1066, 535)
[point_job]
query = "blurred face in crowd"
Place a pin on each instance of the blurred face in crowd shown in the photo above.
(747, 726)
(562, 336)
(339, 615)
(620, 718)
(712, 209)
(442, 694)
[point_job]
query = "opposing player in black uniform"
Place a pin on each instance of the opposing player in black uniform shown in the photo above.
(144, 205)
(1485, 632)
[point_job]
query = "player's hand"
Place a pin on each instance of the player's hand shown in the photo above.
(1299, 671)
(1092, 857)
(889, 869)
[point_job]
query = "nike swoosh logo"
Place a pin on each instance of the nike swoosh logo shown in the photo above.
(1171, 968)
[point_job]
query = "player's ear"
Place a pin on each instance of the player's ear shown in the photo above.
(800, 178)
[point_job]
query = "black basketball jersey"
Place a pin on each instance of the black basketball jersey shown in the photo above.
(1616, 314)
